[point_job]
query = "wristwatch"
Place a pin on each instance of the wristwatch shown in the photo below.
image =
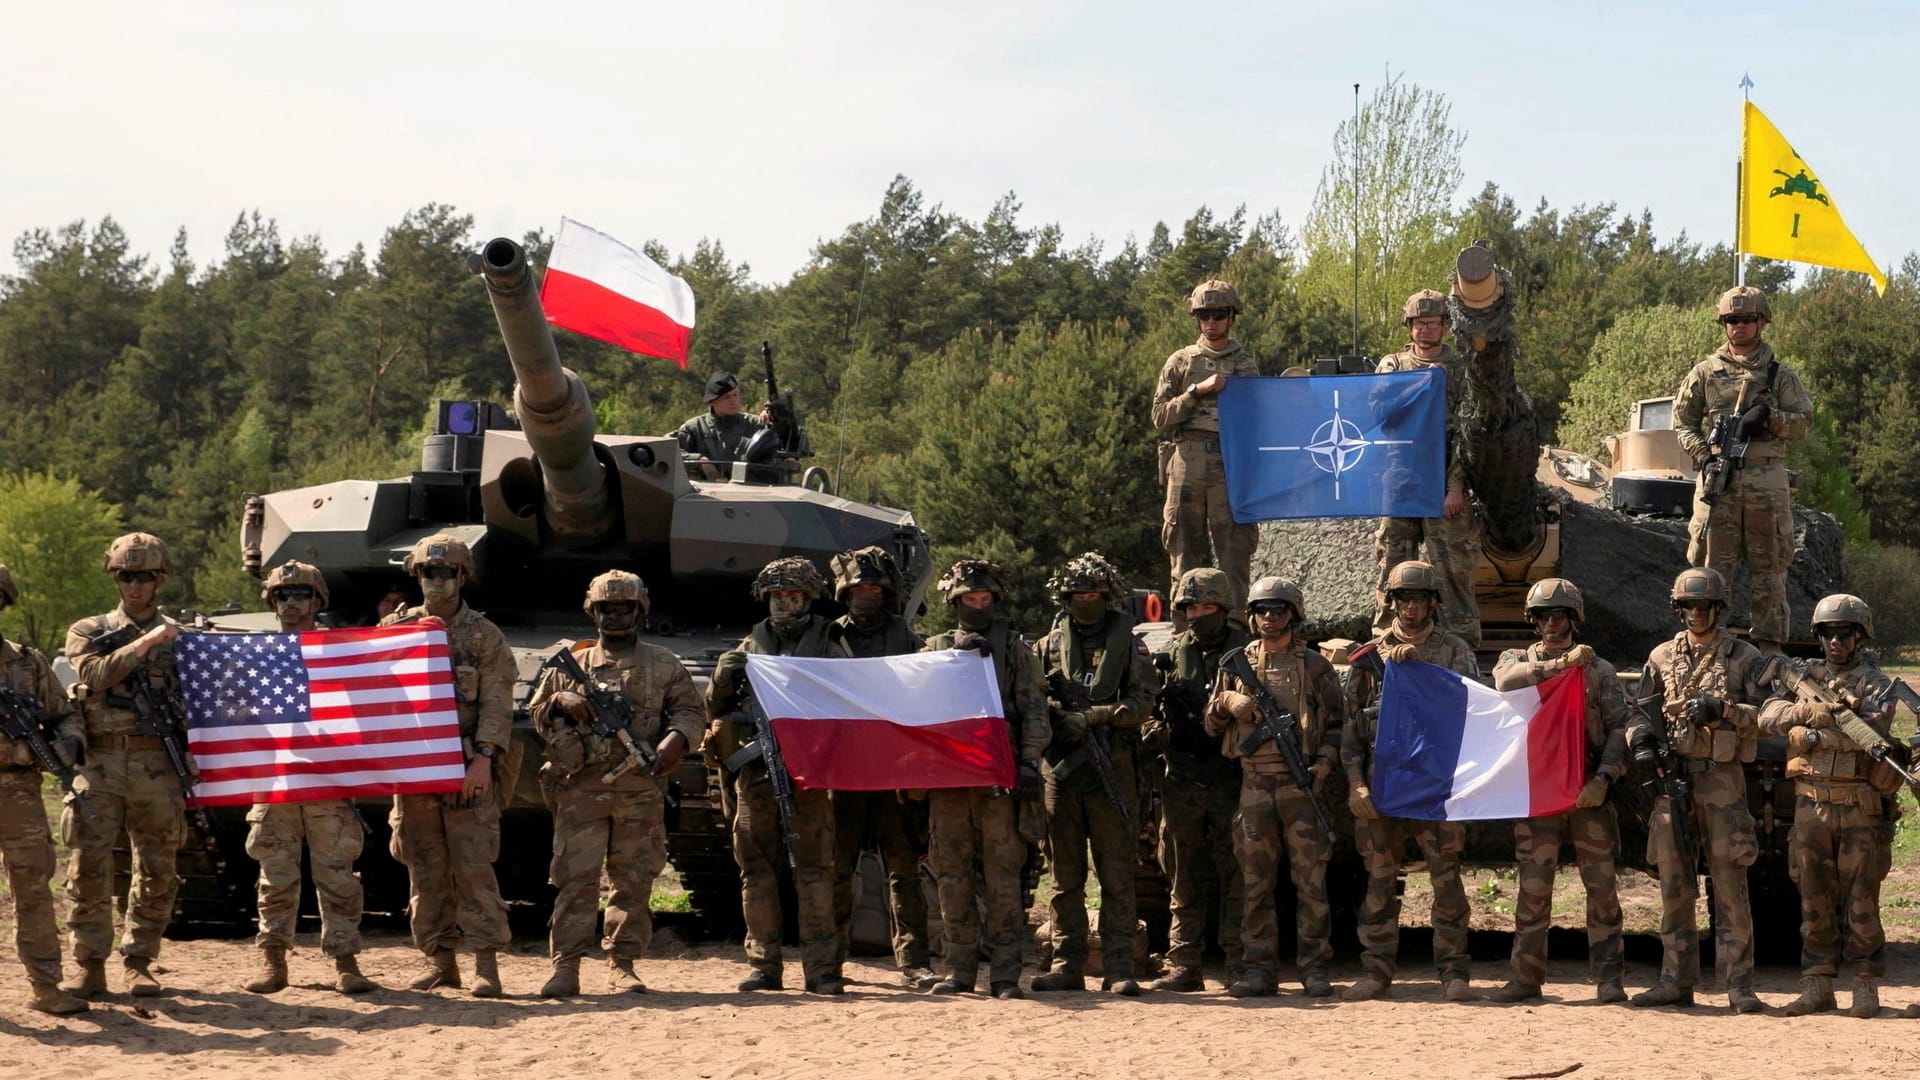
(485, 750)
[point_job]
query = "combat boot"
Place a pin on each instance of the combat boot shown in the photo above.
(1007, 991)
(273, 971)
(1314, 984)
(50, 999)
(827, 985)
(951, 985)
(347, 978)
(486, 974)
(1365, 988)
(1866, 999)
(444, 972)
(1664, 993)
(1458, 990)
(914, 977)
(763, 978)
(140, 980)
(1183, 979)
(564, 982)
(1816, 995)
(1059, 980)
(1741, 999)
(1515, 991)
(1121, 986)
(623, 978)
(1609, 992)
(89, 982)
(1252, 984)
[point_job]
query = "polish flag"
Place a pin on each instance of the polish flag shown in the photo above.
(1450, 748)
(923, 720)
(597, 286)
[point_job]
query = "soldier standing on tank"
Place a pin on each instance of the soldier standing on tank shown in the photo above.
(1092, 646)
(1556, 610)
(1841, 844)
(1752, 520)
(720, 434)
(25, 842)
(331, 830)
(1202, 786)
(1275, 812)
(1413, 590)
(1196, 520)
(979, 827)
(1452, 541)
(448, 842)
(133, 788)
(618, 826)
(868, 582)
(1706, 686)
(789, 587)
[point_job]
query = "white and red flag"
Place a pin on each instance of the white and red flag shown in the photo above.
(923, 720)
(597, 286)
(325, 714)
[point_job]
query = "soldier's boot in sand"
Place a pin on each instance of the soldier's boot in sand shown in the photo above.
(1664, 993)
(1742, 999)
(140, 980)
(347, 977)
(273, 971)
(1058, 980)
(1121, 986)
(49, 998)
(1253, 984)
(1515, 991)
(1458, 990)
(622, 977)
(1866, 999)
(1182, 979)
(445, 971)
(1314, 983)
(89, 982)
(486, 974)
(1609, 992)
(565, 980)
(1007, 991)
(1816, 995)
(1365, 988)
(950, 985)
(762, 978)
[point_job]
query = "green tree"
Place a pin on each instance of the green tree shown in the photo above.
(1888, 469)
(1644, 355)
(53, 533)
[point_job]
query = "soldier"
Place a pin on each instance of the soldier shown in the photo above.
(133, 787)
(1093, 653)
(1202, 785)
(1413, 589)
(720, 434)
(331, 828)
(1275, 812)
(1752, 520)
(1186, 412)
(1452, 541)
(979, 826)
(25, 842)
(1555, 609)
(609, 812)
(1841, 844)
(868, 582)
(448, 842)
(1707, 687)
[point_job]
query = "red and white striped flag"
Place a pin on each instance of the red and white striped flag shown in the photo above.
(325, 714)
(597, 286)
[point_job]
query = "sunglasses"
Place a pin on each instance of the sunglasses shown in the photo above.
(1273, 610)
(131, 577)
(1212, 314)
(1833, 632)
(439, 573)
(1693, 605)
(291, 593)
(1739, 320)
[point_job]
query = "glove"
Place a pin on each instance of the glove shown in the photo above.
(1360, 801)
(728, 672)
(1028, 786)
(1811, 714)
(1101, 715)
(968, 641)
(1070, 729)
(1707, 710)
(1592, 794)
(1235, 704)
(1753, 422)
(1801, 739)
(72, 749)
(1320, 770)
(1579, 656)
(1399, 654)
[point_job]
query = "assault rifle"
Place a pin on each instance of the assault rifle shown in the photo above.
(611, 716)
(24, 719)
(781, 410)
(766, 749)
(1281, 728)
(1727, 446)
(159, 714)
(1072, 697)
(1653, 749)
(1181, 708)
(1851, 715)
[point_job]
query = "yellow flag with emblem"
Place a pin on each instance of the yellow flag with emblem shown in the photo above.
(1786, 212)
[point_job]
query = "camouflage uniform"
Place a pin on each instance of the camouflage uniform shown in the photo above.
(25, 842)
(618, 827)
(1196, 522)
(1382, 840)
(1594, 832)
(1451, 544)
(1275, 812)
(1198, 800)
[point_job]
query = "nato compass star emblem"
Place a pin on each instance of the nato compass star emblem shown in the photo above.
(1337, 446)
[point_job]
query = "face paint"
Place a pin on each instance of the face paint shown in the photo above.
(786, 609)
(440, 594)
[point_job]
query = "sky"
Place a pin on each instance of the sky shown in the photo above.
(770, 126)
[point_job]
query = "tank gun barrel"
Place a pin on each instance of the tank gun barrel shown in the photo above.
(551, 401)
(1499, 434)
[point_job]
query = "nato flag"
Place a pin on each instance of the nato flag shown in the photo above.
(1335, 445)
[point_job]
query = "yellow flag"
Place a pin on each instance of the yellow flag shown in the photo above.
(1786, 212)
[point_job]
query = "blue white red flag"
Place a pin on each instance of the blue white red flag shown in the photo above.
(325, 714)
(1450, 748)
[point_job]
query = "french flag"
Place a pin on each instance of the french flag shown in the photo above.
(923, 720)
(1450, 748)
(597, 286)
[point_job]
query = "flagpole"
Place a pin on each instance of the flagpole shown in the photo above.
(1739, 197)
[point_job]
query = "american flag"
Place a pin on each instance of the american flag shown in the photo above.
(324, 714)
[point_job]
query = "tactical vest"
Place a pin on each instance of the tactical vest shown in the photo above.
(1835, 769)
(1721, 388)
(1290, 677)
(1205, 418)
(1194, 666)
(109, 710)
(894, 638)
(1686, 677)
(23, 668)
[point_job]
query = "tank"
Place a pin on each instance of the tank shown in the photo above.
(546, 502)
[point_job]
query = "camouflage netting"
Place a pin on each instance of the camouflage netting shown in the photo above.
(1499, 435)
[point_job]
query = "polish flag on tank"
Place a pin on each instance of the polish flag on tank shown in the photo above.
(597, 286)
(923, 720)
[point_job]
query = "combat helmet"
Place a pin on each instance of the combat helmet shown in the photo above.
(1423, 303)
(1271, 589)
(792, 573)
(1203, 585)
(294, 572)
(1838, 608)
(870, 565)
(138, 551)
(1089, 572)
(1413, 576)
(9, 592)
(1742, 300)
(615, 586)
(1699, 583)
(1556, 592)
(440, 550)
(1213, 293)
(973, 575)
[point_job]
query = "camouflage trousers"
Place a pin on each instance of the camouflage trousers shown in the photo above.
(1079, 816)
(975, 848)
(1381, 842)
(1276, 814)
(1452, 545)
(1197, 842)
(1196, 525)
(897, 827)
(134, 793)
(1596, 846)
(334, 837)
(448, 850)
(761, 853)
(1838, 853)
(1752, 522)
(623, 834)
(1724, 830)
(27, 847)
